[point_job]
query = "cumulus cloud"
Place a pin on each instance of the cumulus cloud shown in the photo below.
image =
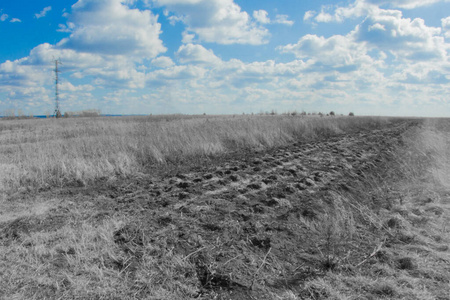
(362, 8)
(408, 4)
(385, 55)
(446, 26)
(12, 73)
(387, 30)
(405, 38)
(216, 21)
(43, 13)
(330, 13)
(337, 53)
(36, 69)
(110, 27)
(107, 40)
(261, 16)
(67, 86)
(162, 62)
(309, 15)
(3, 17)
(196, 54)
(283, 19)
(175, 75)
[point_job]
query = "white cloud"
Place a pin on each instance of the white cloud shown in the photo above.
(261, 16)
(196, 54)
(216, 21)
(43, 12)
(162, 62)
(283, 19)
(175, 75)
(67, 86)
(107, 41)
(69, 27)
(109, 27)
(324, 17)
(329, 13)
(3, 17)
(408, 4)
(386, 59)
(15, 20)
(36, 69)
(309, 15)
(362, 8)
(408, 39)
(446, 26)
(337, 53)
(187, 38)
(376, 26)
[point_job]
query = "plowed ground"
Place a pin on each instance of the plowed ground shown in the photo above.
(257, 225)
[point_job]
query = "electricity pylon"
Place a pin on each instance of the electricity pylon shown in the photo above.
(57, 112)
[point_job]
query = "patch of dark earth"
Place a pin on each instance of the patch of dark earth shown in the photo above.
(242, 221)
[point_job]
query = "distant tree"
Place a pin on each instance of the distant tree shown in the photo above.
(351, 114)
(9, 113)
(89, 113)
(20, 113)
(332, 113)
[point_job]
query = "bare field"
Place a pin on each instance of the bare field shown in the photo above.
(215, 207)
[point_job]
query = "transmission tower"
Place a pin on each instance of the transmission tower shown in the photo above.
(57, 112)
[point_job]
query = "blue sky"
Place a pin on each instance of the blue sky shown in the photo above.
(371, 57)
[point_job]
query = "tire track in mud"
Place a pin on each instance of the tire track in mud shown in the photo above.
(296, 168)
(224, 218)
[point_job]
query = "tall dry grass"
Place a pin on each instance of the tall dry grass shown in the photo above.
(38, 153)
(410, 236)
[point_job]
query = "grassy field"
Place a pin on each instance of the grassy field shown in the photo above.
(47, 152)
(258, 207)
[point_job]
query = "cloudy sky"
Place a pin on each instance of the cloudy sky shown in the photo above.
(371, 57)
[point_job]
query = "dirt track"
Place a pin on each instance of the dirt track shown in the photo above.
(250, 205)
(241, 221)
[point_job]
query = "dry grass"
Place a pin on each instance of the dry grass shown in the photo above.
(412, 229)
(385, 238)
(43, 153)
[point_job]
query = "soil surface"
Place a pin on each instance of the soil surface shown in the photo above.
(241, 221)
